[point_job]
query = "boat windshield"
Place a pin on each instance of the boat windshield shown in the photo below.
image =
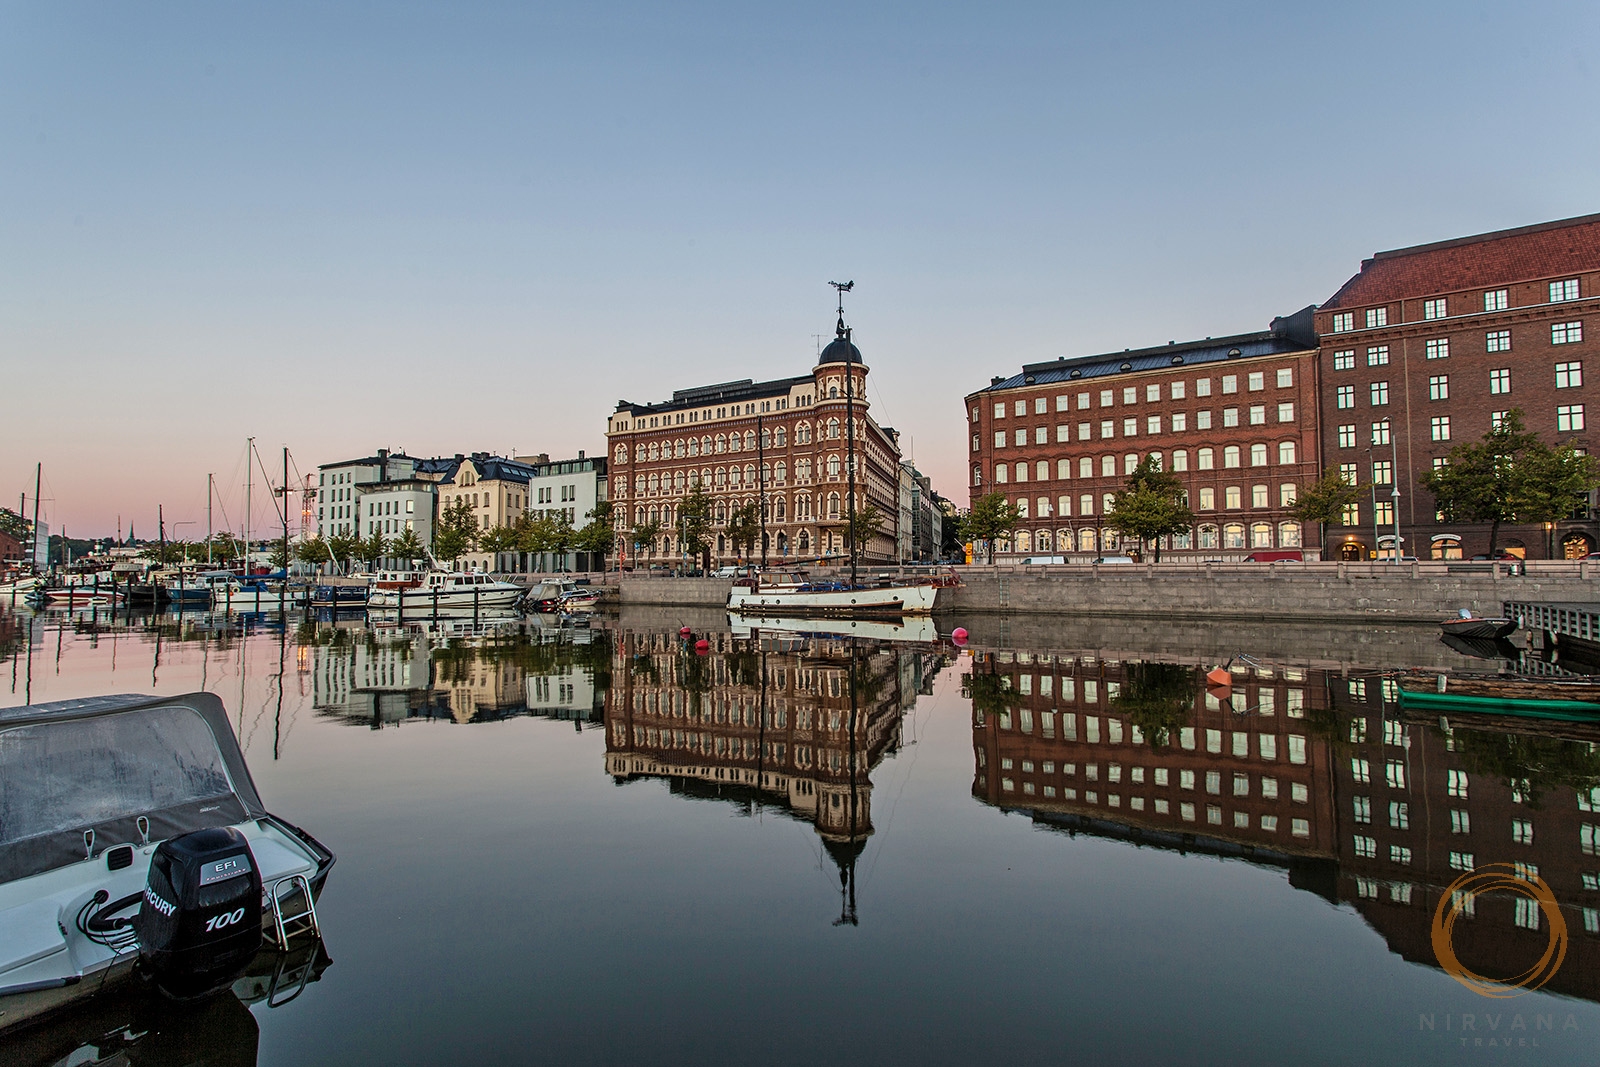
(64, 778)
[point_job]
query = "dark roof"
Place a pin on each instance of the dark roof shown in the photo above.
(445, 465)
(1566, 246)
(494, 468)
(569, 466)
(1287, 336)
(724, 392)
(370, 461)
(839, 351)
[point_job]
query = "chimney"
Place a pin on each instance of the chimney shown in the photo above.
(580, 453)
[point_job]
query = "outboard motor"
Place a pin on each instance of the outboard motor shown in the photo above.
(199, 923)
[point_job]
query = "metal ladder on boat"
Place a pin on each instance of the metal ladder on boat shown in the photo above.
(287, 927)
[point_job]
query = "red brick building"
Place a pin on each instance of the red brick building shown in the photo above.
(1424, 347)
(1233, 417)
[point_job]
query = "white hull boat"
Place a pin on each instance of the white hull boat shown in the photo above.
(806, 597)
(917, 628)
(448, 591)
(132, 837)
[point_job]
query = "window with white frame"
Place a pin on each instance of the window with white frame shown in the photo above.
(1497, 341)
(1152, 393)
(1569, 417)
(999, 439)
(1233, 497)
(1259, 498)
(1130, 427)
(1083, 401)
(1085, 431)
(1286, 412)
(1152, 424)
(1439, 387)
(1230, 456)
(1022, 407)
(1435, 309)
(1377, 317)
(1378, 356)
(1285, 377)
(1230, 416)
(1258, 414)
(1438, 347)
(1380, 393)
(1500, 380)
(1497, 419)
(1040, 404)
(1021, 437)
(1208, 498)
(1063, 433)
(1495, 300)
(1347, 435)
(1180, 459)
(1345, 360)
(1349, 473)
(1130, 394)
(1258, 455)
(1439, 427)
(1569, 375)
(1256, 381)
(1343, 397)
(1062, 402)
(1563, 290)
(1108, 428)
(1000, 409)
(1107, 398)
(1041, 435)
(1230, 383)
(1344, 321)
(1202, 420)
(1380, 432)
(1566, 333)
(1180, 421)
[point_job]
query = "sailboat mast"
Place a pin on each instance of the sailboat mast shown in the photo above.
(208, 520)
(249, 455)
(286, 512)
(38, 480)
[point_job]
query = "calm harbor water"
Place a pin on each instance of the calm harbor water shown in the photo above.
(592, 844)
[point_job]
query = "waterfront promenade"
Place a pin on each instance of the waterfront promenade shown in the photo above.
(1370, 593)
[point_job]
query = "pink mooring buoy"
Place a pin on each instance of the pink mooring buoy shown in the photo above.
(683, 631)
(959, 635)
(702, 646)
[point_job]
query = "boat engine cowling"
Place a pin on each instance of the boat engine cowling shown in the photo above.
(199, 923)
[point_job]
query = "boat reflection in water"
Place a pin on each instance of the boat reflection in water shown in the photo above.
(137, 1026)
(794, 720)
(1316, 773)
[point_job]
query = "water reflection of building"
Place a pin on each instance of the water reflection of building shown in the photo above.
(754, 721)
(1420, 805)
(1073, 735)
(404, 674)
(1320, 776)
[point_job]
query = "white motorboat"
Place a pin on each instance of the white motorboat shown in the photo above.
(449, 591)
(917, 628)
(795, 594)
(132, 836)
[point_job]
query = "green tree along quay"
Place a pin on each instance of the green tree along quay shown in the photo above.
(1324, 501)
(744, 527)
(645, 534)
(868, 522)
(374, 547)
(596, 535)
(14, 524)
(408, 546)
(694, 524)
(1510, 475)
(991, 519)
(456, 531)
(343, 547)
(313, 550)
(499, 539)
(1150, 506)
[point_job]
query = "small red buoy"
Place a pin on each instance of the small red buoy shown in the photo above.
(959, 635)
(702, 646)
(683, 631)
(1218, 676)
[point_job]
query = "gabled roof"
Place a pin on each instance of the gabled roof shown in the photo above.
(494, 468)
(1487, 260)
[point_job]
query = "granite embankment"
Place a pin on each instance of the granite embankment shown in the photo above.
(1325, 592)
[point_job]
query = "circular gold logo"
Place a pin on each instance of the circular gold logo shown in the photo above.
(1489, 878)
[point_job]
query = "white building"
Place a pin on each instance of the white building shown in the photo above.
(340, 487)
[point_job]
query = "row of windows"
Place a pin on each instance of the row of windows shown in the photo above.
(1569, 418)
(769, 474)
(1205, 459)
(777, 509)
(1439, 307)
(1255, 381)
(1205, 500)
(1178, 421)
(1205, 536)
(1561, 333)
(775, 437)
(1161, 806)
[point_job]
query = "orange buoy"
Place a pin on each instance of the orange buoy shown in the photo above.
(1218, 676)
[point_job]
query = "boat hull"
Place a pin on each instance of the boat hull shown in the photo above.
(915, 628)
(890, 600)
(1482, 629)
(1523, 707)
(422, 600)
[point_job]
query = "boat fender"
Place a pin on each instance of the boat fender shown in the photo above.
(199, 920)
(702, 646)
(959, 635)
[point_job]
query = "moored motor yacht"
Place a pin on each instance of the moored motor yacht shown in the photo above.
(449, 591)
(132, 839)
(795, 594)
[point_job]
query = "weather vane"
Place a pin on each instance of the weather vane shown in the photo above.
(843, 288)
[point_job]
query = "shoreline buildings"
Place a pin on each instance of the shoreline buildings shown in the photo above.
(779, 444)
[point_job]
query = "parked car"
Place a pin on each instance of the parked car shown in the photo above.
(1289, 555)
(743, 570)
(1035, 561)
(1116, 559)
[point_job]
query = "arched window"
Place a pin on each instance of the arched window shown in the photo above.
(722, 511)
(1261, 535)
(802, 434)
(805, 541)
(639, 453)
(722, 544)
(654, 483)
(721, 444)
(1288, 535)
(722, 477)
(1233, 535)
(1086, 540)
(733, 442)
(783, 514)
(1022, 507)
(1022, 472)
(1180, 460)
(833, 505)
(1041, 540)
(655, 451)
(1024, 540)
(833, 465)
(1181, 540)
(705, 446)
(766, 437)
(1108, 466)
(1086, 467)
(749, 440)
(1208, 537)
(1041, 470)
(750, 474)
(833, 429)
(780, 437)
(802, 469)
(622, 453)
(638, 484)
(654, 514)
(733, 475)
(766, 474)
(1206, 461)
(1286, 452)
(833, 392)
(1230, 456)
(1130, 463)
(780, 472)
(1063, 469)
(638, 516)
(678, 451)
(1258, 455)
(694, 446)
(1157, 458)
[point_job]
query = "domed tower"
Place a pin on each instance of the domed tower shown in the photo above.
(842, 383)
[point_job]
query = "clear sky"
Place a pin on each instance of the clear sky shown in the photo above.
(460, 227)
